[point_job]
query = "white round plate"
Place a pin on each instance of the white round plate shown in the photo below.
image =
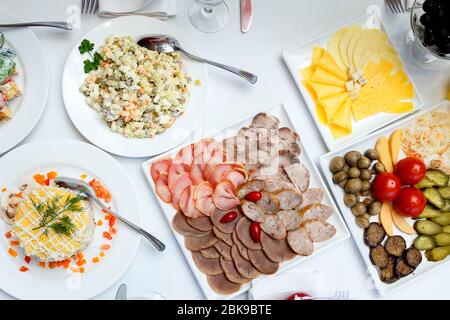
(70, 158)
(33, 81)
(89, 122)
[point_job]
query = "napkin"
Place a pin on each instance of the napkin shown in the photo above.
(280, 287)
(109, 7)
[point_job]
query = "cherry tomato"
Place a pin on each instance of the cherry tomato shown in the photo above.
(410, 170)
(300, 295)
(255, 231)
(386, 186)
(253, 196)
(228, 217)
(410, 202)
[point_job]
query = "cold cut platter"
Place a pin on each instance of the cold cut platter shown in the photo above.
(245, 202)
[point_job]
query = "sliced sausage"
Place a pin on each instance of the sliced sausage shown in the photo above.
(197, 244)
(300, 241)
(374, 234)
(243, 234)
(202, 223)
(319, 230)
(263, 264)
(274, 227)
(402, 269)
(210, 253)
(379, 256)
(278, 185)
(311, 196)
(242, 249)
(221, 285)
(160, 167)
(162, 189)
(253, 211)
(223, 249)
(263, 120)
(207, 266)
(268, 203)
(249, 186)
(225, 227)
(225, 237)
(316, 212)
(395, 246)
(387, 274)
(224, 197)
(182, 182)
(231, 272)
(413, 257)
(244, 267)
(203, 198)
(181, 226)
(299, 176)
(276, 250)
(290, 218)
(288, 199)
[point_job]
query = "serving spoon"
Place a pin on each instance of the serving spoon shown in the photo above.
(166, 44)
(86, 190)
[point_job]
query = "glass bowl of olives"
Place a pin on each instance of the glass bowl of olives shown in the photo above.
(428, 42)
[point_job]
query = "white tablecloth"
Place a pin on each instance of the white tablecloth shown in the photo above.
(277, 25)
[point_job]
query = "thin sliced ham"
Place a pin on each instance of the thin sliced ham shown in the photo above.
(235, 176)
(175, 170)
(183, 202)
(224, 196)
(201, 145)
(203, 198)
(185, 155)
(160, 167)
(218, 171)
(182, 182)
(162, 189)
(196, 173)
(218, 158)
(188, 207)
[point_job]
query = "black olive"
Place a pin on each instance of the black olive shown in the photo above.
(429, 39)
(445, 47)
(425, 19)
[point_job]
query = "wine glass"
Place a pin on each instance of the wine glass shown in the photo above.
(426, 55)
(208, 15)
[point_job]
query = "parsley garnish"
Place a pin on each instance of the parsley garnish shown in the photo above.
(89, 64)
(53, 214)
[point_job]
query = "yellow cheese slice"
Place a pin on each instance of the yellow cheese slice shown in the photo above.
(351, 46)
(325, 77)
(307, 72)
(402, 107)
(321, 115)
(310, 89)
(324, 90)
(342, 117)
(333, 47)
(344, 44)
(328, 63)
(316, 55)
(376, 56)
(332, 104)
(339, 132)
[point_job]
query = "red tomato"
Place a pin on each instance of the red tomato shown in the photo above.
(255, 231)
(253, 196)
(410, 202)
(386, 186)
(300, 295)
(410, 170)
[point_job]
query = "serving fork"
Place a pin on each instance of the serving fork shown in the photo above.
(89, 6)
(396, 6)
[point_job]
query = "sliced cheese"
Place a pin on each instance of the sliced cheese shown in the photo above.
(384, 154)
(324, 90)
(316, 55)
(333, 47)
(328, 63)
(332, 104)
(395, 140)
(322, 76)
(339, 132)
(402, 107)
(344, 43)
(310, 89)
(342, 117)
(307, 72)
(321, 115)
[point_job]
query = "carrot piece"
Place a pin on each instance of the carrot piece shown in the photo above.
(80, 255)
(104, 211)
(66, 264)
(60, 263)
(108, 217)
(99, 223)
(96, 260)
(42, 264)
(14, 242)
(8, 235)
(112, 221)
(19, 195)
(12, 253)
(113, 230)
(102, 254)
(52, 265)
(100, 190)
(23, 269)
(4, 189)
(105, 247)
(52, 175)
(81, 262)
(107, 235)
(27, 259)
(39, 178)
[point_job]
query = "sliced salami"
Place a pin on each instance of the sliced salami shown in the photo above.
(311, 196)
(274, 227)
(319, 230)
(291, 219)
(249, 186)
(253, 211)
(268, 203)
(299, 175)
(288, 199)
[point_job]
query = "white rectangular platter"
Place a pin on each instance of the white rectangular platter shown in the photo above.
(300, 57)
(360, 145)
(279, 111)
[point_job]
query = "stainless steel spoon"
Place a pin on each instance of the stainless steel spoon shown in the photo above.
(88, 191)
(165, 43)
(51, 24)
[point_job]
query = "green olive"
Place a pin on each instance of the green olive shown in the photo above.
(364, 163)
(362, 222)
(374, 208)
(365, 174)
(350, 200)
(359, 209)
(353, 186)
(339, 176)
(352, 158)
(353, 172)
(372, 154)
(365, 185)
(337, 164)
(379, 167)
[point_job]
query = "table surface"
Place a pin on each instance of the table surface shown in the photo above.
(277, 25)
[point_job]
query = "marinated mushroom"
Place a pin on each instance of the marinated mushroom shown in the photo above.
(339, 176)
(343, 183)
(367, 201)
(363, 222)
(353, 186)
(350, 200)
(364, 163)
(374, 208)
(365, 174)
(337, 164)
(352, 158)
(359, 209)
(379, 167)
(372, 154)
(353, 172)
(365, 185)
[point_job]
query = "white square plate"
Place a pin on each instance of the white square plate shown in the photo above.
(300, 57)
(315, 181)
(363, 144)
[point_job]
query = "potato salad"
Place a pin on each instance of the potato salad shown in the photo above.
(138, 92)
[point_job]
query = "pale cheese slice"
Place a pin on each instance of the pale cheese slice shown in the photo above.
(328, 63)
(333, 47)
(344, 43)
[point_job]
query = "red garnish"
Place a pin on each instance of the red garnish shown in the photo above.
(23, 269)
(12, 253)
(8, 235)
(52, 265)
(107, 235)
(255, 231)
(27, 259)
(42, 264)
(301, 296)
(112, 221)
(105, 247)
(14, 242)
(40, 179)
(100, 190)
(230, 216)
(81, 262)
(253, 196)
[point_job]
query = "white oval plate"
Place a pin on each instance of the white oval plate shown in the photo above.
(33, 81)
(70, 158)
(89, 122)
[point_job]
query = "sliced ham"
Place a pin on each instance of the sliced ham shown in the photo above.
(218, 171)
(175, 170)
(196, 173)
(319, 230)
(263, 120)
(188, 205)
(224, 197)
(235, 176)
(211, 149)
(203, 198)
(200, 146)
(185, 155)
(229, 146)
(217, 158)
(183, 201)
(160, 167)
(299, 175)
(162, 189)
(316, 212)
(181, 183)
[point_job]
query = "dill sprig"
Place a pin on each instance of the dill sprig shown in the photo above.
(53, 215)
